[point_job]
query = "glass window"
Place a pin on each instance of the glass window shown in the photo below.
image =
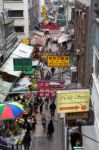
(19, 28)
(9, 29)
(15, 13)
(97, 37)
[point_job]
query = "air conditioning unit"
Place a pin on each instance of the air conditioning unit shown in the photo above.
(1, 58)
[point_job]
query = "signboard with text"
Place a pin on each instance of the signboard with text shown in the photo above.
(69, 101)
(44, 13)
(22, 64)
(48, 88)
(58, 61)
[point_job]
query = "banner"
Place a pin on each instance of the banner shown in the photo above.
(69, 101)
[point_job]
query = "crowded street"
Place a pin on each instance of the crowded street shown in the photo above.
(49, 78)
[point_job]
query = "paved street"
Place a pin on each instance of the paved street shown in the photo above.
(40, 140)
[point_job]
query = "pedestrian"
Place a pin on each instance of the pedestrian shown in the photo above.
(41, 104)
(42, 74)
(48, 75)
(52, 70)
(50, 129)
(34, 122)
(52, 108)
(26, 141)
(44, 122)
(46, 102)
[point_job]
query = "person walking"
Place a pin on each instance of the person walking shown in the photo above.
(46, 102)
(34, 122)
(52, 70)
(41, 102)
(50, 129)
(52, 108)
(26, 141)
(44, 122)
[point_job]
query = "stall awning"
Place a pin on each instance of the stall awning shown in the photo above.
(35, 63)
(30, 72)
(22, 51)
(63, 38)
(22, 84)
(4, 89)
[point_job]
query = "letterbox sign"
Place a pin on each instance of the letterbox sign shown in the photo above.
(22, 64)
(58, 61)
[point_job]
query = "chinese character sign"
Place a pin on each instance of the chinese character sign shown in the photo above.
(58, 61)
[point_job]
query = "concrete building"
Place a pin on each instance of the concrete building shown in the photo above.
(84, 29)
(35, 12)
(92, 131)
(22, 13)
(8, 38)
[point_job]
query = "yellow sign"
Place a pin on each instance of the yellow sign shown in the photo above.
(58, 61)
(25, 41)
(44, 13)
(69, 101)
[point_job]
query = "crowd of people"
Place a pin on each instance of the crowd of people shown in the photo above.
(39, 106)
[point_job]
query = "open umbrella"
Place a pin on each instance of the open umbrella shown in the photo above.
(10, 110)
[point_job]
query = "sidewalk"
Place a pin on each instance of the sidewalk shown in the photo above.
(39, 137)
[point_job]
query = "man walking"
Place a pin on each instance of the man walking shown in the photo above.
(52, 108)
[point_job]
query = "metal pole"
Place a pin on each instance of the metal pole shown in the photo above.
(65, 134)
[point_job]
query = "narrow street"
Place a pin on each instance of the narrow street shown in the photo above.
(40, 140)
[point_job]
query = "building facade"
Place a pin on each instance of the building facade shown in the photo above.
(84, 29)
(22, 13)
(8, 38)
(92, 131)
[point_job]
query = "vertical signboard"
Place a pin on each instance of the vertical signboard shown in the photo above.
(44, 13)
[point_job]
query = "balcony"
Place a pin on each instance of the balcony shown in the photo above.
(13, 1)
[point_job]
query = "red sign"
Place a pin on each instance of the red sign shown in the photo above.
(53, 26)
(50, 85)
(46, 94)
(48, 88)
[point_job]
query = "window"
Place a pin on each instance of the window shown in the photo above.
(15, 13)
(97, 37)
(9, 29)
(19, 29)
(97, 66)
(13, 0)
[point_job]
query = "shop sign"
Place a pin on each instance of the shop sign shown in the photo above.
(44, 13)
(69, 101)
(50, 85)
(53, 26)
(75, 116)
(58, 61)
(46, 94)
(48, 88)
(25, 41)
(22, 64)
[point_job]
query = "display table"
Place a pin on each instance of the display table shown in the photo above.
(14, 141)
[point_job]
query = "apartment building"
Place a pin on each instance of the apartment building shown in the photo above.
(22, 13)
(8, 38)
(84, 29)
